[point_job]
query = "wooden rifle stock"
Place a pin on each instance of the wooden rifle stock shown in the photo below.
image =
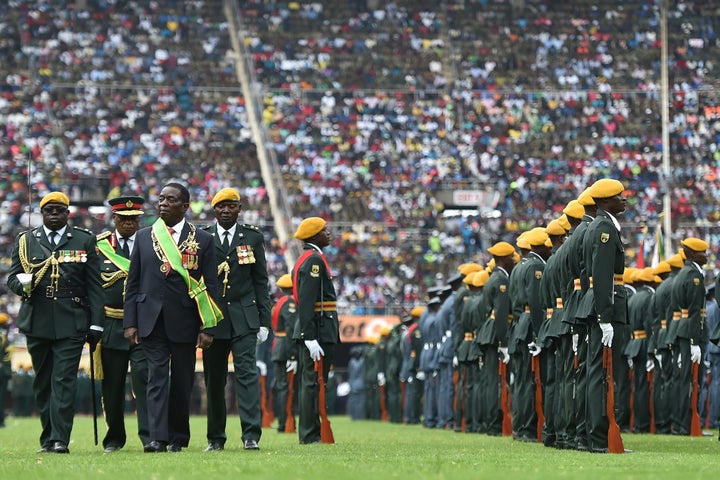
(504, 400)
(383, 403)
(651, 388)
(538, 397)
(615, 443)
(290, 419)
(326, 434)
(462, 393)
(267, 416)
(695, 429)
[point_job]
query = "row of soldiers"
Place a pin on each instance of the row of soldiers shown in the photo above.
(554, 340)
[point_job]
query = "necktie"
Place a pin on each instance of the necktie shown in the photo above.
(226, 240)
(172, 232)
(124, 247)
(53, 238)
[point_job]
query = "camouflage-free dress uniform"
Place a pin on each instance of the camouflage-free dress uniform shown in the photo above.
(493, 334)
(605, 301)
(640, 319)
(688, 296)
(661, 354)
(117, 353)
(284, 316)
(55, 318)
(393, 363)
(468, 353)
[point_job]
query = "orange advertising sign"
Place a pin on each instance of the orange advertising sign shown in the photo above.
(357, 328)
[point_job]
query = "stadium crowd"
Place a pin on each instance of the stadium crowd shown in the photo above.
(370, 109)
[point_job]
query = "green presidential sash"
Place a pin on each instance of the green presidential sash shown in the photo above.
(118, 260)
(210, 313)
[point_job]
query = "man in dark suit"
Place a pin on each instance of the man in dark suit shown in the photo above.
(245, 303)
(317, 329)
(604, 258)
(116, 353)
(171, 259)
(63, 289)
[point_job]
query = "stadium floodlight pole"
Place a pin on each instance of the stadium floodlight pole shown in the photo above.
(28, 155)
(665, 110)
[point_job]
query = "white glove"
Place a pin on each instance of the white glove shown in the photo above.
(291, 366)
(381, 379)
(262, 367)
(420, 375)
(456, 362)
(649, 365)
(481, 362)
(316, 351)
(707, 363)
(505, 355)
(658, 357)
(534, 349)
(607, 334)
(679, 363)
(695, 353)
(575, 339)
(512, 378)
(262, 335)
(630, 363)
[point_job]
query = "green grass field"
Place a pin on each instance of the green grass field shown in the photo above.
(364, 450)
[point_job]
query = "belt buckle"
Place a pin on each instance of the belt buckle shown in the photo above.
(49, 291)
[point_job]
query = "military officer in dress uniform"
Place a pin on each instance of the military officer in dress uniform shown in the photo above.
(245, 303)
(688, 295)
(5, 364)
(412, 345)
(116, 353)
(317, 328)
(495, 315)
(61, 299)
(604, 258)
(284, 350)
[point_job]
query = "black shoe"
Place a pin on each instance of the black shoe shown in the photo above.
(43, 450)
(251, 445)
(598, 450)
(112, 448)
(174, 448)
(155, 447)
(59, 447)
(214, 447)
(581, 447)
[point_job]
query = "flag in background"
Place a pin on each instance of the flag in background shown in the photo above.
(659, 250)
(640, 262)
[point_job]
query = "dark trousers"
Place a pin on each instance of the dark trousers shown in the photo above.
(548, 366)
(413, 400)
(564, 397)
(640, 396)
(280, 393)
(392, 392)
(473, 398)
(56, 365)
(524, 417)
(171, 374)
(446, 415)
(247, 387)
(662, 400)
(115, 366)
(461, 397)
(491, 415)
(430, 399)
(681, 388)
(622, 379)
(580, 379)
(309, 424)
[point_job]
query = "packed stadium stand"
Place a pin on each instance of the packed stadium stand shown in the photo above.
(367, 113)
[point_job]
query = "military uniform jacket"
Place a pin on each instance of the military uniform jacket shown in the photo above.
(605, 263)
(461, 294)
(431, 330)
(551, 291)
(66, 308)
(688, 296)
(394, 354)
(284, 316)
(526, 299)
(447, 320)
(468, 350)
(150, 291)
(315, 295)
(576, 271)
(661, 307)
(113, 278)
(244, 300)
(496, 294)
(640, 318)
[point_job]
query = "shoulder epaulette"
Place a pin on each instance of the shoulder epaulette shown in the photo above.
(251, 227)
(206, 227)
(81, 229)
(104, 235)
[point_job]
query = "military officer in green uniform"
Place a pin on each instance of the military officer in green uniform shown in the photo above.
(56, 270)
(245, 303)
(604, 258)
(317, 328)
(688, 295)
(393, 364)
(370, 374)
(116, 353)
(495, 310)
(284, 350)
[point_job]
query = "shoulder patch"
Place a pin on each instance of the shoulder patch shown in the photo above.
(251, 227)
(206, 227)
(81, 229)
(604, 237)
(696, 281)
(503, 288)
(538, 274)
(104, 235)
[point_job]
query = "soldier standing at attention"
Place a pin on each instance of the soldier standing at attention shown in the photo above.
(116, 353)
(63, 299)
(605, 263)
(318, 330)
(245, 302)
(284, 351)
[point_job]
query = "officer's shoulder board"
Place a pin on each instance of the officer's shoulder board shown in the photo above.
(206, 227)
(251, 227)
(104, 235)
(83, 230)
